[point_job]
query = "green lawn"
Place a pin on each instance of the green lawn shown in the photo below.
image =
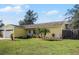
(39, 47)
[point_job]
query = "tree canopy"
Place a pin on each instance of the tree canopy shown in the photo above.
(29, 18)
(73, 16)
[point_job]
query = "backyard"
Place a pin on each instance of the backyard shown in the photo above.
(36, 46)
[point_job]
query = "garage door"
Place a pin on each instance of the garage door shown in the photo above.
(8, 34)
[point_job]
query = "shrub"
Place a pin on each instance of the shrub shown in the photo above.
(51, 39)
(42, 31)
(34, 36)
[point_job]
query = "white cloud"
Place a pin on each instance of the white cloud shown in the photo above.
(17, 8)
(52, 12)
(11, 9)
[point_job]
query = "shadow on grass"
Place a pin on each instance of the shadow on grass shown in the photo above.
(19, 39)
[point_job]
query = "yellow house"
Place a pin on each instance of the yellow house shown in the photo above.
(54, 28)
(7, 30)
(24, 30)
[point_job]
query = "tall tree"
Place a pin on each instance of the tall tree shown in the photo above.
(30, 18)
(73, 16)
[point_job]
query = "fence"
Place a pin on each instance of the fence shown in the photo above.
(70, 34)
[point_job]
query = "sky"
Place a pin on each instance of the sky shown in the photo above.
(13, 13)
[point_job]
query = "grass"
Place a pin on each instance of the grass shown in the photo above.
(39, 47)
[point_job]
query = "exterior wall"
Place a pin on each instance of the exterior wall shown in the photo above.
(57, 30)
(20, 32)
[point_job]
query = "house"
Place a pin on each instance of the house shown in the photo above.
(54, 28)
(7, 30)
(22, 31)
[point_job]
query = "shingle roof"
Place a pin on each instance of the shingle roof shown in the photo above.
(44, 25)
(41, 25)
(9, 26)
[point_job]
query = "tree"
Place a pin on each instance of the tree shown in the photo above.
(73, 16)
(30, 18)
(43, 31)
(12, 37)
(1, 23)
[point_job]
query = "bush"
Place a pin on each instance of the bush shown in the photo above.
(51, 39)
(34, 36)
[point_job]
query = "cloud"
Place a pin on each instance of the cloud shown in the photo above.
(52, 12)
(11, 9)
(17, 8)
